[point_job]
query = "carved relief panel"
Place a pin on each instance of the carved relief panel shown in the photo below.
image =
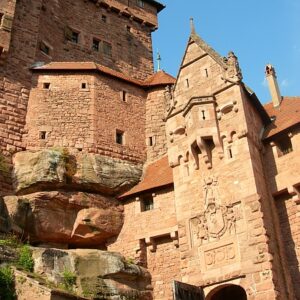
(216, 220)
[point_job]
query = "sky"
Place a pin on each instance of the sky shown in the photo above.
(259, 32)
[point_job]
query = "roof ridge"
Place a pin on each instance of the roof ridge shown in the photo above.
(207, 48)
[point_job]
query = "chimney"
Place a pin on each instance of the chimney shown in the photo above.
(273, 85)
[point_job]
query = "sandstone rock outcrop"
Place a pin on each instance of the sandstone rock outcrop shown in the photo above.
(57, 168)
(67, 218)
(98, 273)
(5, 225)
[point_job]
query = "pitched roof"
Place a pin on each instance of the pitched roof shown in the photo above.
(208, 49)
(159, 78)
(286, 115)
(158, 174)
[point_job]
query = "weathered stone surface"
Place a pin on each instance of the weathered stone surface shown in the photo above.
(5, 225)
(98, 273)
(106, 174)
(41, 168)
(56, 168)
(76, 219)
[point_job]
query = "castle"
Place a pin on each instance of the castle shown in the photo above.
(191, 178)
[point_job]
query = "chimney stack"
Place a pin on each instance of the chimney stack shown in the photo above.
(273, 85)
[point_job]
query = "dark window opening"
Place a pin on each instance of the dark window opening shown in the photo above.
(140, 3)
(206, 72)
(96, 45)
(46, 85)
(104, 18)
(230, 155)
(107, 49)
(187, 83)
(284, 145)
(43, 135)
(44, 48)
(150, 141)
(128, 28)
(1, 18)
(120, 137)
(75, 37)
(83, 85)
(123, 96)
(147, 203)
(203, 114)
(1, 50)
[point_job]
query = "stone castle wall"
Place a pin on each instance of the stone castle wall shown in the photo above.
(150, 238)
(155, 125)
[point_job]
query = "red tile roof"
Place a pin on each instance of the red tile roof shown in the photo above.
(158, 174)
(286, 115)
(159, 78)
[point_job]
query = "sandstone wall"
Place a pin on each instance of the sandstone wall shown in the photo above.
(223, 228)
(63, 113)
(150, 238)
(112, 114)
(101, 23)
(155, 125)
(88, 119)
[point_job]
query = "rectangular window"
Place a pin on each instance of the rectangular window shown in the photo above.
(42, 135)
(123, 95)
(46, 85)
(284, 145)
(1, 18)
(140, 3)
(147, 203)
(96, 45)
(44, 48)
(107, 48)
(104, 18)
(128, 28)
(120, 137)
(72, 35)
(75, 37)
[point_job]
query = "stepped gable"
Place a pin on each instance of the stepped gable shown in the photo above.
(285, 116)
(157, 175)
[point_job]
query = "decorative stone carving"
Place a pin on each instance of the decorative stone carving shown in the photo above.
(233, 72)
(215, 220)
(169, 98)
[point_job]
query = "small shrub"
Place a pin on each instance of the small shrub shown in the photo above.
(7, 283)
(25, 258)
(69, 280)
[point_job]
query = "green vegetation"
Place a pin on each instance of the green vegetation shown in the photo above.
(25, 258)
(69, 280)
(7, 283)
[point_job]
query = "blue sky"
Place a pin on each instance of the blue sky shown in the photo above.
(259, 32)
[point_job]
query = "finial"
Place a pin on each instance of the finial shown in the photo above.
(158, 61)
(192, 25)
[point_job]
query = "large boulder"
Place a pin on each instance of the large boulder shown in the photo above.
(73, 219)
(57, 168)
(101, 274)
